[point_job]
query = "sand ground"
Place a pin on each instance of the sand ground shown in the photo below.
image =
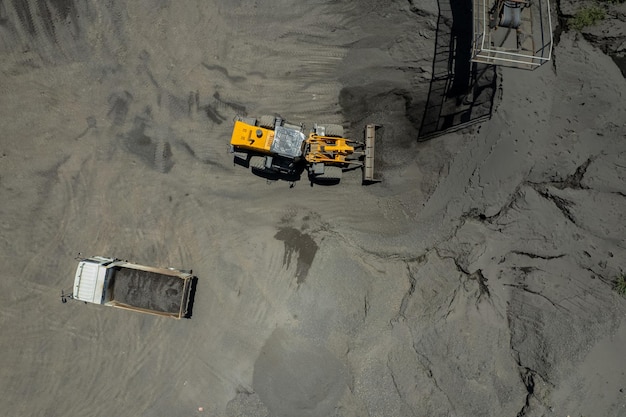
(475, 280)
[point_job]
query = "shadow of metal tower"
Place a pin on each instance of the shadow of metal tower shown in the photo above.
(461, 92)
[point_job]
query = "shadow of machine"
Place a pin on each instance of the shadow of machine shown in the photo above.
(192, 297)
(473, 38)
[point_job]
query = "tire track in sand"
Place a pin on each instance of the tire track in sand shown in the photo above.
(310, 53)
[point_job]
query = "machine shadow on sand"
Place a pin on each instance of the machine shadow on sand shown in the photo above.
(192, 297)
(291, 178)
(270, 175)
(461, 92)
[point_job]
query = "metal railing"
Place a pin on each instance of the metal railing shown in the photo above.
(539, 32)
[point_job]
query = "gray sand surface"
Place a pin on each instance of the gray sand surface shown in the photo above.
(475, 280)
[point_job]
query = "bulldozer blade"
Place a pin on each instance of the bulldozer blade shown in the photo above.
(371, 167)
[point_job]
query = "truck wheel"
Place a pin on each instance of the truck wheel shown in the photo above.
(240, 158)
(266, 121)
(247, 120)
(331, 176)
(257, 163)
(335, 131)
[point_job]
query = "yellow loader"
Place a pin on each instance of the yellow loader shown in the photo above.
(276, 149)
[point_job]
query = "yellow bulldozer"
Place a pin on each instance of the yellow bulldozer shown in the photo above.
(276, 149)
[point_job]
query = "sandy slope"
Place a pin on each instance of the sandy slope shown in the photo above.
(475, 280)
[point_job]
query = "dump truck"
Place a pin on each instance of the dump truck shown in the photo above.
(276, 149)
(116, 283)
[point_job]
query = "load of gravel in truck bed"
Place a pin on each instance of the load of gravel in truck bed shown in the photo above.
(148, 290)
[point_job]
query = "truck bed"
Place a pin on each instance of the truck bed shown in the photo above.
(149, 291)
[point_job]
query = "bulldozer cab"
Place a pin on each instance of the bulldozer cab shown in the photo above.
(288, 142)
